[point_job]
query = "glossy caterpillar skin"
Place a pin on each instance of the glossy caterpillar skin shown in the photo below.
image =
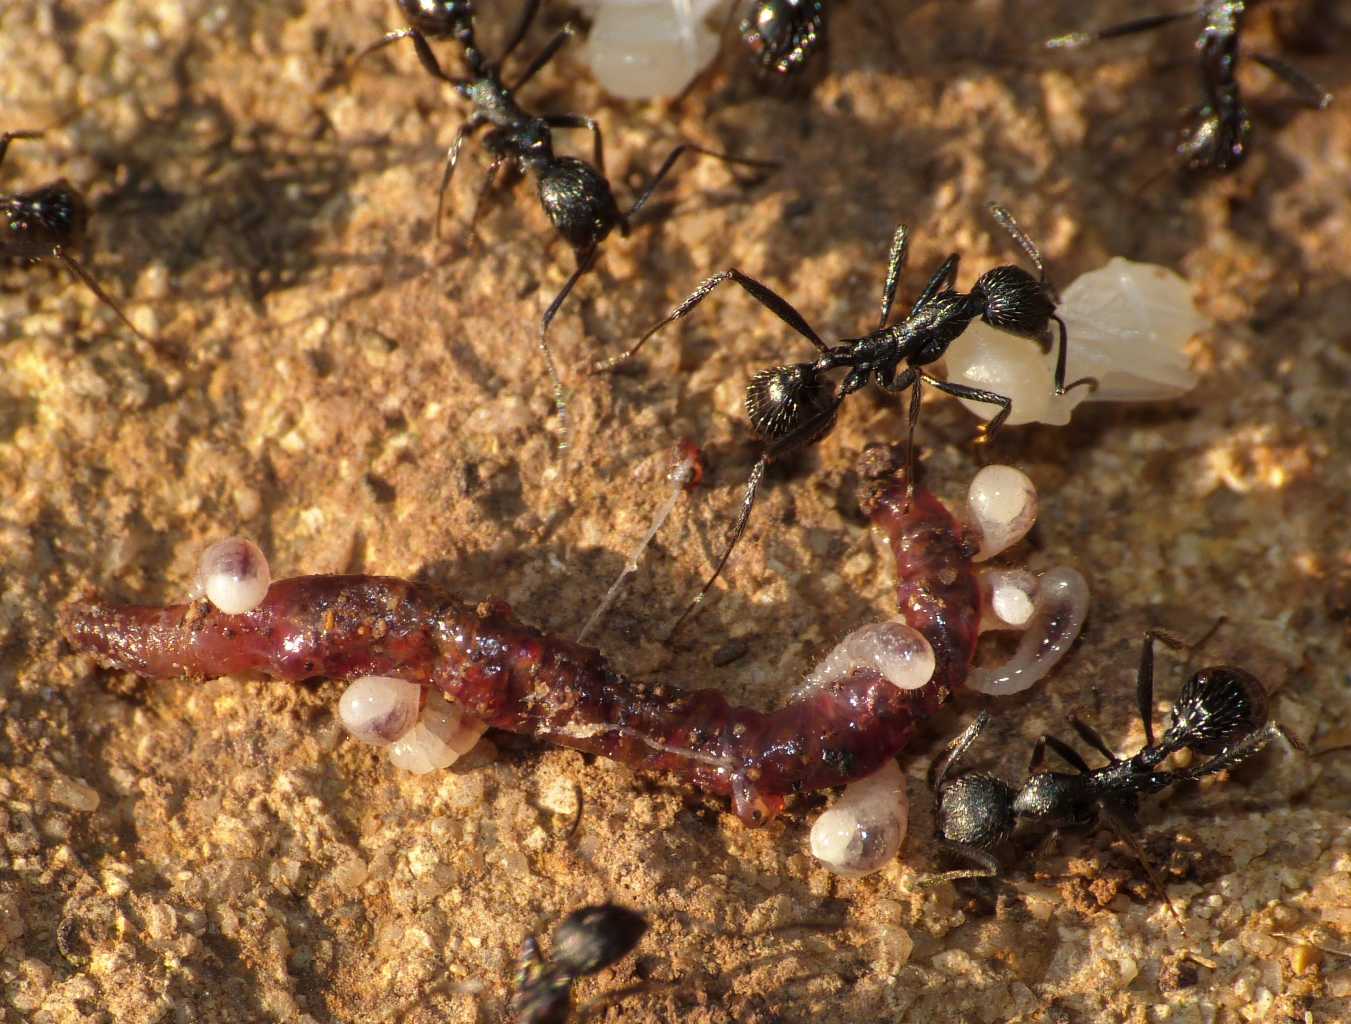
(516, 678)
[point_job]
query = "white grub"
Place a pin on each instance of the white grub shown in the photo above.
(864, 829)
(1003, 505)
(1128, 326)
(442, 735)
(644, 49)
(234, 576)
(379, 709)
(1061, 607)
(1008, 598)
(892, 649)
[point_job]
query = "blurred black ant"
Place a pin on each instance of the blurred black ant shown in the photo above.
(794, 406)
(575, 195)
(46, 223)
(587, 941)
(1215, 135)
(783, 34)
(1221, 713)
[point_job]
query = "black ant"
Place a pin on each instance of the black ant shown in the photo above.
(587, 941)
(783, 34)
(791, 407)
(1221, 713)
(1215, 135)
(46, 223)
(575, 195)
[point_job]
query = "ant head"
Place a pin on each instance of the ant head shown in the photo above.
(1015, 301)
(975, 810)
(591, 939)
(790, 402)
(1056, 798)
(783, 33)
(37, 221)
(1216, 707)
(1215, 141)
(438, 18)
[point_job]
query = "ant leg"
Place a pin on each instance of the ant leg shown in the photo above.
(522, 27)
(489, 180)
(585, 261)
(7, 136)
(1062, 748)
(83, 275)
(988, 865)
(1144, 677)
(900, 248)
(955, 751)
(1242, 750)
(1123, 830)
(578, 121)
(452, 158)
(1305, 87)
(1092, 737)
(544, 56)
(680, 150)
(738, 528)
(1070, 40)
(762, 294)
(977, 395)
(944, 277)
(1062, 356)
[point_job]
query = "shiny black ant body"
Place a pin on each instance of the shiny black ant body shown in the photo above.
(794, 406)
(587, 941)
(46, 223)
(1215, 135)
(1221, 713)
(575, 195)
(783, 34)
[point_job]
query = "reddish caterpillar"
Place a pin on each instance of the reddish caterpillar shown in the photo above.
(514, 677)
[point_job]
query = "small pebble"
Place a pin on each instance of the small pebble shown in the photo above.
(234, 575)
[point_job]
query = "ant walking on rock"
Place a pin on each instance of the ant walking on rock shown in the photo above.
(794, 406)
(47, 223)
(575, 195)
(1215, 135)
(586, 941)
(1221, 714)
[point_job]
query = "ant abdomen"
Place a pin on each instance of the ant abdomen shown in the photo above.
(1216, 707)
(579, 202)
(1015, 301)
(975, 810)
(43, 219)
(784, 401)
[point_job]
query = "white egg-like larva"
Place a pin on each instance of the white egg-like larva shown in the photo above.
(897, 652)
(442, 734)
(1008, 598)
(864, 829)
(1003, 505)
(643, 49)
(379, 709)
(234, 575)
(1059, 612)
(1128, 325)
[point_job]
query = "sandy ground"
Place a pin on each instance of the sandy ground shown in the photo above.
(356, 398)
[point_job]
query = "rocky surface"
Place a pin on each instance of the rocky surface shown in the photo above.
(353, 396)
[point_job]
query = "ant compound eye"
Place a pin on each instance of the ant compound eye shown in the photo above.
(785, 400)
(1015, 301)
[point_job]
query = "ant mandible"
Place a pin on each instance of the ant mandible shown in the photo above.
(46, 223)
(586, 941)
(791, 407)
(576, 196)
(1220, 713)
(783, 34)
(1215, 135)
